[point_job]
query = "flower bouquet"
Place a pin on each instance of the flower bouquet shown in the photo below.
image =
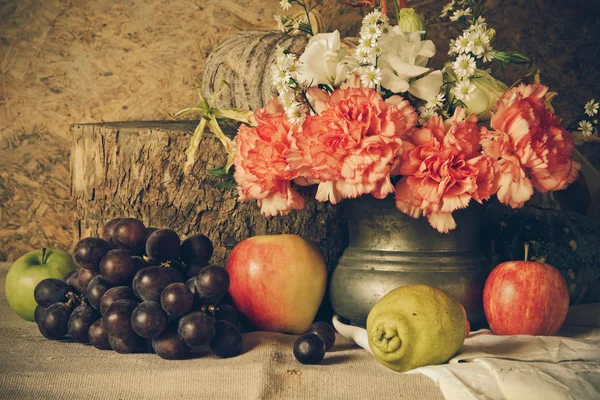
(369, 117)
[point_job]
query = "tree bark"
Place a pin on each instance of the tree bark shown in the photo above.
(135, 169)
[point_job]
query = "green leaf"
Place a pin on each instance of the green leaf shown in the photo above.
(220, 172)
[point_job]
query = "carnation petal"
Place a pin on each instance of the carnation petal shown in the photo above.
(443, 222)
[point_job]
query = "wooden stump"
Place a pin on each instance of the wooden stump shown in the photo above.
(136, 169)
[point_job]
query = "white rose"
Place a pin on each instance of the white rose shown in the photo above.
(324, 61)
(403, 58)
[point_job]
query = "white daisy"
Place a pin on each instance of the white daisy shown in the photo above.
(372, 32)
(375, 17)
(463, 90)
(285, 4)
(480, 41)
(463, 43)
(586, 128)
(364, 55)
(370, 76)
(464, 66)
(460, 13)
(591, 108)
(437, 101)
(279, 51)
(488, 54)
(447, 8)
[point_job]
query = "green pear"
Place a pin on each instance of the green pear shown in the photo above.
(415, 325)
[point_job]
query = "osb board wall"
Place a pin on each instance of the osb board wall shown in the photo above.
(64, 62)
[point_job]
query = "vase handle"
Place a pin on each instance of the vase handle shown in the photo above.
(355, 333)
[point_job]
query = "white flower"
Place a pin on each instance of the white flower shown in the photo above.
(438, 101)
(279, 51)
(370, 76)
(480, 42)
(375, 17)
(280, 24)
(447, 8)
(364, 55)
(425, 114)
(460, 13)
(285, 4)
(484, 98)
(489, 54)
(463, 44)
(586, 128)
(370, 32)
(403, 59)
(591, 108)
(463, 90)
(325, 61)
(464, 66)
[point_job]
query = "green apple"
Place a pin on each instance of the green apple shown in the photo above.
(28, 271)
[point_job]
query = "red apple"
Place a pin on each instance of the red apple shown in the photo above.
(525, 298)
(277, 281)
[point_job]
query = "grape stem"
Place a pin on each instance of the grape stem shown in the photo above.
(43, 255)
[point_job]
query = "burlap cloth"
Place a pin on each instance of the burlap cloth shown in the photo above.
(34, 368)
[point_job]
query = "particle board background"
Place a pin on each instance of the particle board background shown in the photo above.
(78, 61)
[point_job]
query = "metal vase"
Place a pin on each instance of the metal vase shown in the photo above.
(388, 249)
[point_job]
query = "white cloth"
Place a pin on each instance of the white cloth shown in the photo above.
(490, 367)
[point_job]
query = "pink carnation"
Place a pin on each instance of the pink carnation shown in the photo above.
(443, 170)
(261, 168)
(530, 148)
(353, 142)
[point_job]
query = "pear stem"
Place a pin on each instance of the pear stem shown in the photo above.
(43, 255)
(526, 251)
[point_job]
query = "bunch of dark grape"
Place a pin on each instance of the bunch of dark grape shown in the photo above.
(142, 289)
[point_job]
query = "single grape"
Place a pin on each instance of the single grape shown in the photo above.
(80, 322)
(196, 329)
(176, 299)
(212, 283)
(309, 349)
(96, 289)
(117, 319)
(84, 277)
(193, 268)
(325, 332)
(169, 346)
(227, 341)
(69, 274)
(114, 294)
(98, 336)
(50, 291)
(72, 279)
(226, 312)
(126, 345)
(196, 247)
(148, 283)
(109, 230)
(163, 245)
(53, 322)
(149, 320)
(37, 313)
(117, 267)
(89, 251)
(174, 274)
(130, 234)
